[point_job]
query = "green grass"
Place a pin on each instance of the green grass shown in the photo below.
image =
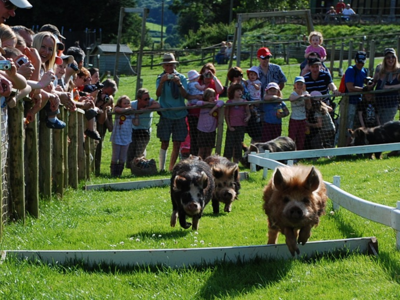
(112, 220)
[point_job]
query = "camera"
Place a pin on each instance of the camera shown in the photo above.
(73, 67)
(208, 75)
(106, 98)
(20, 61)
(171, 76)
(5, 65)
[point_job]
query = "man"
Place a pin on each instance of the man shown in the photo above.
(347, 12)
(340, 6)
(171, 92)
(26, 33)
(269, 72)
(354, 80)
(8, 7)
(141, 132)
(318, 79)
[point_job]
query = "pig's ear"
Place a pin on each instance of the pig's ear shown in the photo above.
(179, 181)
(235, 172)
(217, 172)
(279, 181)
(203, 180)
(312, 181)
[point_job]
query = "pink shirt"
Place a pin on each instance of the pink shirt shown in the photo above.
(237, 114)
(320, 50)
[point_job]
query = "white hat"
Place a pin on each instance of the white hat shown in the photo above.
(169, 58)
(21, 3)
(272, 85)
(253, 69)
(193, 74)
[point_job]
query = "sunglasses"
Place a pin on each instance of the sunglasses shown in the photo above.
(390, 57)
(266, 57)
(146, 99)
(8, 5)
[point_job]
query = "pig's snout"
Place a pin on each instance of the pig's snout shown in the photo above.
(295, 213)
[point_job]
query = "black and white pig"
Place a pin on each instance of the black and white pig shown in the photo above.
(227, 182)
(192, 186)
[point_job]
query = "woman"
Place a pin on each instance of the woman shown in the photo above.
(45, 43)
(209, 80)
(387, 76)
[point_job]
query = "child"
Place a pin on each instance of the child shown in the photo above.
(273, 113)
(368, 112)
(236, 118)
(121, 135)
(297, 122)
(194, 87)
(322, 128)
(253, 84)
(207, 123)
(315, 39)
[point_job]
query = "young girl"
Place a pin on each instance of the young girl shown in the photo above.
(322, 128)
(315, 39)
(273, 112)
(207, 123)
(297, 122)
(194, 87)
(253, 84)
(121, 135)
(236, 118)
(368, 111)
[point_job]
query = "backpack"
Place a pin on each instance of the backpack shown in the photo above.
(342, 86)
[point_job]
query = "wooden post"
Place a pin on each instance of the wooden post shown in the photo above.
(58, 161)
(87, 157)
(45, 141)
(344, 103)
(220, 130)
(81, 148)
(371, 58)
(65, 117)
(32, 168)
(350, 57)
(341, 60)
(16, 159)
(73, 150)
(332, 62)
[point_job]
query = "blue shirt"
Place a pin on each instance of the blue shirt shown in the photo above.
(274, 74)
(145, 119)
(167, 100)
(357, 77)
(270, 110)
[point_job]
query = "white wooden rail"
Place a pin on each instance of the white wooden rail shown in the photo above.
(386, 215)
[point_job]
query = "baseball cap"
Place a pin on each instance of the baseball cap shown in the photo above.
(314, 61)
(389, 50)
(53, 29)
(272, 85)
(263, 52)
(361, 56)
(299, 79)
(21, 3)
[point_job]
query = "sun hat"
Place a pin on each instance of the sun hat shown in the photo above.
(272, 85)
(299, 79)
(316, 93)
(193, 74)
(21, 3)
(361, 56)
(263, 52)
(169, 58)
(253, 69)
(389, 51)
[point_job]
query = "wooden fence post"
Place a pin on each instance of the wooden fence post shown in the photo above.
(81, 148)
(16, 161)
(65, 117)
(344, 104)
(45, 157)
(220, 130)
(73, 150)
(332, 62)
(58, 161)
(371, 58)
(350, 56)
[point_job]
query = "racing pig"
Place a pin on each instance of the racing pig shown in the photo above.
(192, 186)
(227, 182)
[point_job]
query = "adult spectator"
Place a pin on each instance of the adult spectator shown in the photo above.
(8, 7)
(387, 76)
(141, 132)
(78, 54)
(354, 79)
(319, 80)
(347, 12)
(340, 6)
(26, 33)
(269, 72)
(171, 92)
(54, 30)
(221, 55)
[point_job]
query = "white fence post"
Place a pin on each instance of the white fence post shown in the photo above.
(265, 169)
(396, 223)
(336, 182)
(253, 166)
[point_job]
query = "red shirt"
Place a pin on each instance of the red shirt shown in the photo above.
(339, 7)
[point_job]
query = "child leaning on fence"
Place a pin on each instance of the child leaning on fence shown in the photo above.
(236, 118)
(208, 121)
(121, 135)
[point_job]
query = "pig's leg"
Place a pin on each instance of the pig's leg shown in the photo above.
(291, 235)
(305, 234)
(174, 216)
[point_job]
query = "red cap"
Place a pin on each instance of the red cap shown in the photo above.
(263, 52)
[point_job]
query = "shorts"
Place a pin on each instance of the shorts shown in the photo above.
(176, 127)
(206, 139)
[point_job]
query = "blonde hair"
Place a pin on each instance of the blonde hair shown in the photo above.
(37, 43)
(208, 93)
(383, 67)
(316, 33)
(6, 33)
(119, 101)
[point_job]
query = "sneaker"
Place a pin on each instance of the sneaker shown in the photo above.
(58, 124)
(93, 134)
